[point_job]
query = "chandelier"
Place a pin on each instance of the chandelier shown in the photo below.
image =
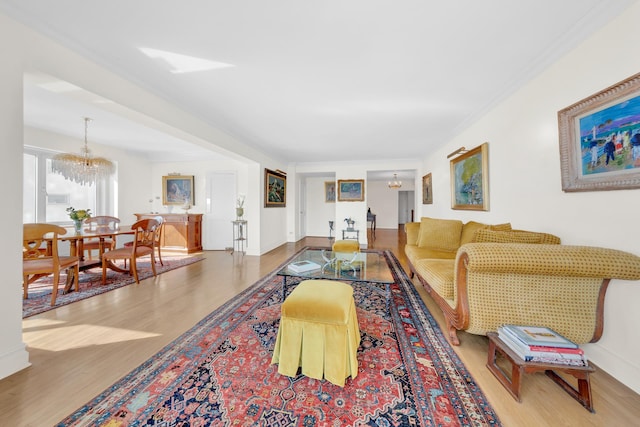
(82, 168)
(395, 183)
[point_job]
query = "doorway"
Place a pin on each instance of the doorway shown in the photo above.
(220, 211)
(406, 206)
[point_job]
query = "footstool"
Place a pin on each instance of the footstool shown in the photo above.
(318, 332)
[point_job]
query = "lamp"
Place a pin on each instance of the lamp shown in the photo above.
(395, 183)
(82, 168)
(460, 150)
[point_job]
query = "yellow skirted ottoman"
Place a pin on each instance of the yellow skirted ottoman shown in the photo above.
(318, 332)
(346, 246)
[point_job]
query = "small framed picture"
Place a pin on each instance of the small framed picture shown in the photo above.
(275, 189)
(351, 190)
(329, 191)
(427, 190)
(178, 190)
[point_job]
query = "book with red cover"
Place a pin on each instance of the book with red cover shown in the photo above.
(567, 350)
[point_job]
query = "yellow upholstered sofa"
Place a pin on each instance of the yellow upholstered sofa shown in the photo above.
(483, 276)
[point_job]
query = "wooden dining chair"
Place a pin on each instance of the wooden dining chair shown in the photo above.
(38, 262)
(143, 245)
(160, 220)
(97, 222)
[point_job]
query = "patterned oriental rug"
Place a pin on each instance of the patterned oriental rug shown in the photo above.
(219, 372)
(91, 285)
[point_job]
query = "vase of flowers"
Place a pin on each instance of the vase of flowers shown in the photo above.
(78, 216)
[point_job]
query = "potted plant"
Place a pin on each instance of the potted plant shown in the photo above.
(240, 207)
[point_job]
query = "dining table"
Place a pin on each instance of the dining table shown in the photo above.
(76, 245)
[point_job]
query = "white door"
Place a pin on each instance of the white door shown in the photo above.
(220, 211)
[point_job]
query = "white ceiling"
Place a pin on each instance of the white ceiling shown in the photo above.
(307, 80)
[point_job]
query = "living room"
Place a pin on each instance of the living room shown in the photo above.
(524, 170)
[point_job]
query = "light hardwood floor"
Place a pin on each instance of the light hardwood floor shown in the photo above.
(79, 350)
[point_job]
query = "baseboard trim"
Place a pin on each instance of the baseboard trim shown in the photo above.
(14, 361)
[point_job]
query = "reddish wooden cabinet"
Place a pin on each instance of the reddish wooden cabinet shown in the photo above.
(182, 232)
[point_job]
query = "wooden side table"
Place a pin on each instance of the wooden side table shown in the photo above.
(519, 367)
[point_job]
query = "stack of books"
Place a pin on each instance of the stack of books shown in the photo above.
(541, 344)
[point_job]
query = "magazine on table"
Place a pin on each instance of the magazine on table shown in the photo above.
(303, 266)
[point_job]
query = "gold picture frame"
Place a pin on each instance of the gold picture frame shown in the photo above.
(470, 180)
(178, 190)
(600, 140)
(427, 190)
(329, 191)
(275, 189)
(351, 190)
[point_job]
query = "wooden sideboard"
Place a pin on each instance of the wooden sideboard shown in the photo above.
(182, 232)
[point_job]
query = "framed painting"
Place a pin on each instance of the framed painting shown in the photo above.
(351, 190)
(329, 191)
(427, 190)
(470, 180)
(275, 189)
(600, 139)
(178, 190)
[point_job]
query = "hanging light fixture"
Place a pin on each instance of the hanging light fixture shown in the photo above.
(395, 183)
(82, 168)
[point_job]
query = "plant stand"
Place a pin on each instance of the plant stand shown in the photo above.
(239, 236)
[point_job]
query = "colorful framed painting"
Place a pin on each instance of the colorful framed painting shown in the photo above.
(600, 140)
(178, 190)
(329, 191)
(351, 190)
(275, 189)
(470, 180)
(427, 190)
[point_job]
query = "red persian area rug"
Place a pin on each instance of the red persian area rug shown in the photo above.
(91, 285)
(219, 373)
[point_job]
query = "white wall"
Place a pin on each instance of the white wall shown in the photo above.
(385, 205)
(200, 170)
(525, 183)
(318, 212)
(13, 354)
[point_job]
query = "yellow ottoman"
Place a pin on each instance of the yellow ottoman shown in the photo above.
(318, 332)
(346, 246)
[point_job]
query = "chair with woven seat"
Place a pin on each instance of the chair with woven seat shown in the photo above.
(143, 245)
(37, 263)
(97, 222)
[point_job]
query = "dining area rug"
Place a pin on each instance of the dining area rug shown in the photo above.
(219, 373)
(39, 292)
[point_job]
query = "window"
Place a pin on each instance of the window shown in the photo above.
(47, 195)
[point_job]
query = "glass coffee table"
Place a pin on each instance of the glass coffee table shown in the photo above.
(369, 268)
